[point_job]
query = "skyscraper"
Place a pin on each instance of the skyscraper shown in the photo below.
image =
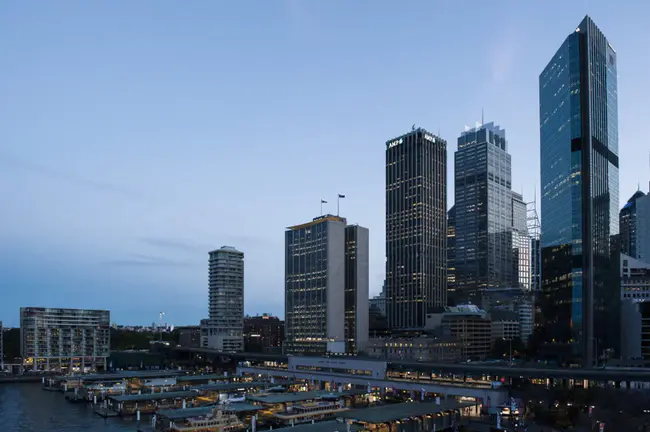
(224, 330)
(416, 227)
(579, 175)
(326, 286)
(483, 203)
(635, 227)
(451, 256)
(521, 244)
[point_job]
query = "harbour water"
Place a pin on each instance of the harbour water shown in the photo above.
(28, 408)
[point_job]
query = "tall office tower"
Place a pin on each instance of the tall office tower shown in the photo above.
(357, 287)
(326, 286)
(224, 329)
(635, 227)
(483, 212)
(534, 230)
(416, 227)
(579, 173)
(2, 363)
(64, 339)
(521, 244)
(451, 256)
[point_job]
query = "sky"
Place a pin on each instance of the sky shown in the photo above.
(136, 136)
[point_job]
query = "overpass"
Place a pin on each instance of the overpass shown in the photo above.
(463, 369)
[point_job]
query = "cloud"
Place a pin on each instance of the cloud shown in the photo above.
(171, 243)
(45, 171)
(141, 260)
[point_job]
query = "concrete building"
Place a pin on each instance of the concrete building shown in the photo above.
(326, 286)
(516, 300)
(504, 325)
(224, 329)
(521, 244)
(635, 308)
(416, 227)
(467, 324)
(483, 212)
(64, 339)
(426, 348)
(357, 286)
(189, 336)
(263, 333)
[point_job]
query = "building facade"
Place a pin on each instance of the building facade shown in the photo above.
(326, 286)
(635, 308)
(579, 176)
(483, 207)
(451, 255)
(2, 353)
(357, 287)
(469, 325)
(189, 336)
(379, 301)
(71, 340)
(634, 220)
(224, 329)
(263, 334)
(516, 300)
(521, 244)
(420, 348)
(416, 227)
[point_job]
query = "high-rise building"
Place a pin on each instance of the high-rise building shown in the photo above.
(579, 175)
(357, 287)
(378, 302)
(224, 329)
(521, 244)
(326, 286)
(483, 203)
(416, 227)
(635, 308)
(2, 353)
(635, 227)
(534, 231)
(451, 255)
(64, 339)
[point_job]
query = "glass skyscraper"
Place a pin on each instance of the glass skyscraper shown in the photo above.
(579, 176)
(416, 227)
(483, 213)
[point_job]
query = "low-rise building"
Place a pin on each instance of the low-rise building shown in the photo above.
(419, 348)
(467, 324)
(505, 325)
(64, 339)
(189, 336)
(517, 300)
(635, 308)
(263, 334)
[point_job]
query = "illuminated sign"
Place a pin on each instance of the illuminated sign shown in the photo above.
(395, 143)
(429, 137)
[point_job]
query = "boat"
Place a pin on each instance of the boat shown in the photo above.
(218, 420)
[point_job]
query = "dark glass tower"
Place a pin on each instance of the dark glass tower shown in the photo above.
(483, 205)
(416, 227)
(579, 175)
(628, 226)
(451, 256)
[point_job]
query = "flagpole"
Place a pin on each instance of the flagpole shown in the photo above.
(321, 206)
(338, 200)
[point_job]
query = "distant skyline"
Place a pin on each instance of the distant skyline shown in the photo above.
(138, 136)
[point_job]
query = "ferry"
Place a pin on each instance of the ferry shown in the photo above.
(308, 412)
(219, 420)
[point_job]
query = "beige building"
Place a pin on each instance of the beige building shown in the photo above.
(467, 324)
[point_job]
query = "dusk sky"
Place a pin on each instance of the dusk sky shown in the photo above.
(135, 136)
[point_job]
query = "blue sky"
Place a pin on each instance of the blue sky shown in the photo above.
(137, 135)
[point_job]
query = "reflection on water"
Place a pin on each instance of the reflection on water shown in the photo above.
(28, 408)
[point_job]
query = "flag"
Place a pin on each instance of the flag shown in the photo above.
(341, 196)
(322, 201)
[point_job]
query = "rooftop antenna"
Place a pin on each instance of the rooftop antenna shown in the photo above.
(482, 117)
(413, 127)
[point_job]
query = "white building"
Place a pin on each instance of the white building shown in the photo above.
(224, 329)
(64, 339)
(326, 286)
